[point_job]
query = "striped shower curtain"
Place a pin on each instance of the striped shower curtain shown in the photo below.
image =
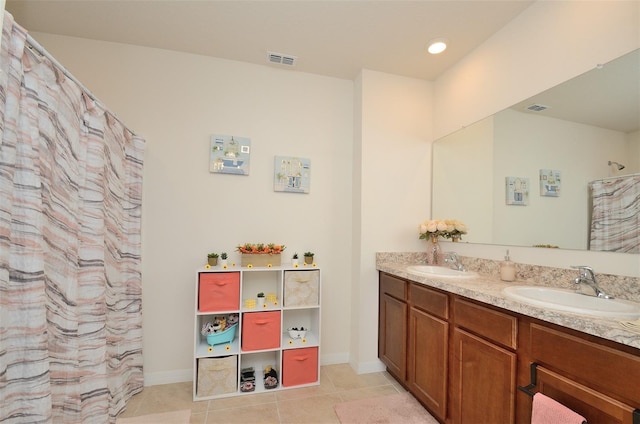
(615, 214)
(70, 279)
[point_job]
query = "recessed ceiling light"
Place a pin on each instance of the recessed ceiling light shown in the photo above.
(437, 45)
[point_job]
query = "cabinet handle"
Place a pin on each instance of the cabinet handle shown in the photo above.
(262, 322)
(303, 280)
(301, 358)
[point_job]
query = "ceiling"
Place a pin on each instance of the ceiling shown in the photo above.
(335, 38)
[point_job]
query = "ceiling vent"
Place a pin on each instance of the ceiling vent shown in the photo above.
(281, 59)
(537, 107)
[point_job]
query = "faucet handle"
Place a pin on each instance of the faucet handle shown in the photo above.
(585, 271)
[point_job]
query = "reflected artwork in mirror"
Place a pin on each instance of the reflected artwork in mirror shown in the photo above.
(587, 130)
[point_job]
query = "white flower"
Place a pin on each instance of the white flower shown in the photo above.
(441, 227)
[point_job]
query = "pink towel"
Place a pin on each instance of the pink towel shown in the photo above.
(547, 411)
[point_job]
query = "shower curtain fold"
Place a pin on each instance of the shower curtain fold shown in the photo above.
(615, 214)
(70, 265)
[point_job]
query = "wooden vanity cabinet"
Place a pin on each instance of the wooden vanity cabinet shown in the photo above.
(427, 366)
(483, 364)
(464, 360)
(392, 325)
(598, 379)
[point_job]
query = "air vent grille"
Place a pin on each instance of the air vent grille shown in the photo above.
(537, 107)
(281, 59)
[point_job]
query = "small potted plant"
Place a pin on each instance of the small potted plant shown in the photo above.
(261, 299)
(212, 259)
(308, 257)
(223, 258)
(294, 259)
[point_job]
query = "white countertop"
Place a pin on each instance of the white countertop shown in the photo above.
(489, 290)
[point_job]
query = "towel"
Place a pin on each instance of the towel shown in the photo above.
(547, 411)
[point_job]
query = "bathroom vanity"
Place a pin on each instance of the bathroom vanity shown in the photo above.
(470, 354)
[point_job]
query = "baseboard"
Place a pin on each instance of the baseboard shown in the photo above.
(168, 377)
(368, 367)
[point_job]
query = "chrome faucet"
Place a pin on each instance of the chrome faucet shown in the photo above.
(452, 259)
(588, 277)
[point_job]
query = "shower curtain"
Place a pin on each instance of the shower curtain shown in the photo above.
(70, 279)
(615, 214)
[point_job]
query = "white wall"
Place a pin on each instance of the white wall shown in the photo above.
(392, 183)
(176, 101)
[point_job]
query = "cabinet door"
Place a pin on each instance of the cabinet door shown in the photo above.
(483, 377)
(427, 367)
(392, 339)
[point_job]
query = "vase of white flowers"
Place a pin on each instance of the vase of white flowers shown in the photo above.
(432, 230)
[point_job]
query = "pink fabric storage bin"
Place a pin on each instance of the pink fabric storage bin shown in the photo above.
(299, 366)
(219, 291)
(261, 330)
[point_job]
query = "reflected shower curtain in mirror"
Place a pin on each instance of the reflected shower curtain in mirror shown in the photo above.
(70, 272)
(615, 214)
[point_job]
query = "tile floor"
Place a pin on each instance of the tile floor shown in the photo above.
(338, 383)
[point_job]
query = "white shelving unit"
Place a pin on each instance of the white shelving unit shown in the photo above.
(224, 292)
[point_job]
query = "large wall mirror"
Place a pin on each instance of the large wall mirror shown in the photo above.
(526, 176)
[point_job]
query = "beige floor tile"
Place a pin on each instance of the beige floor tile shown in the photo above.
(304, 392)
(242, 400)
(368, 392)
(313, 404)
(263, 414)
(169, 397)
(344, 377)
(198, 418)
(317, 409)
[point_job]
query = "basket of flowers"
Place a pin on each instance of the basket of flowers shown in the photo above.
(260, 254)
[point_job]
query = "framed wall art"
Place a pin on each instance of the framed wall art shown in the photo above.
(517, 190)
(229, 154)
(549, 183)
(291, 174)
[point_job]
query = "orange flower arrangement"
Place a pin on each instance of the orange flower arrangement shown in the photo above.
(261, 248)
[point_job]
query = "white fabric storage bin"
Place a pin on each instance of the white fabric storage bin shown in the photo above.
(301, 288)
(217, 376)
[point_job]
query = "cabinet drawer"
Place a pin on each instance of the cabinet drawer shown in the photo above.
(594, 365)
(594, 406)
(301, 288)
(429, 300)
(299, 366)
(261, 330)
(393, 286)
(219, 291)
(494, 325)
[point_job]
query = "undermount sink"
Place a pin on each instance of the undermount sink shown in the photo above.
(439, 271)
(570, 301)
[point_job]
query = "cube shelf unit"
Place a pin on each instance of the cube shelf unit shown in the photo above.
(261, 336)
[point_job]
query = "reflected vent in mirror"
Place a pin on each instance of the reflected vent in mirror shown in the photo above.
(281, 59)
(537, 107)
